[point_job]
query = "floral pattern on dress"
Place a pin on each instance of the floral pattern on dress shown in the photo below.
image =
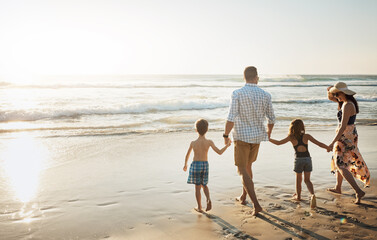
(346, 155)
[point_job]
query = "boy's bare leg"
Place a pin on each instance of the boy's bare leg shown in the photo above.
(243, 196)
(297, 195)
(249, 186)
(198, 198)
(338, 186)
(206, 192)
(348, 176)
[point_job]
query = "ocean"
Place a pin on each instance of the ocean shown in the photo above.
(142, 104)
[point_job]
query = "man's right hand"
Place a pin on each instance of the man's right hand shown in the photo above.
(226, 140)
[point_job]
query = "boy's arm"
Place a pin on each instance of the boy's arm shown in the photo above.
(316, 142)
(187, 157)
(280, 142)
(219, 151)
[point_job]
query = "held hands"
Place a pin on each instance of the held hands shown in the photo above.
(229, 143)
(330, 147)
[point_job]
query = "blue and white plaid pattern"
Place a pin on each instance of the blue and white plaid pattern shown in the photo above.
(198, 173)
(249, 107)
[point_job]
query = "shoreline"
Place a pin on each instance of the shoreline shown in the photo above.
(134, 187)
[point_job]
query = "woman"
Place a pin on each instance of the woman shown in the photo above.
(347, 160)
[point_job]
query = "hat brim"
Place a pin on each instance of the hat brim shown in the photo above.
(346, 91)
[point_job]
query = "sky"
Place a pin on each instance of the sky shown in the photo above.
(187, 37)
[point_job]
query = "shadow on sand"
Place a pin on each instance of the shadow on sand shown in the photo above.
(285, 226)
(349, 219)
(228, 228)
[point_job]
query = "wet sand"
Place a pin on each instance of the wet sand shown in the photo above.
(133, 187)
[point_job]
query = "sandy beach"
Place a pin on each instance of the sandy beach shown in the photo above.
(133, 187)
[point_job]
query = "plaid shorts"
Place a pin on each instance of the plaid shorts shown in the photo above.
(198, 173)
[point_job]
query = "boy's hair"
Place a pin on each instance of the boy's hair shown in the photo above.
(201, 126)
(297, 128)
(250, 73)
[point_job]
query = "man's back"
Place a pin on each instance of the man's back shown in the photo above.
(250, 106)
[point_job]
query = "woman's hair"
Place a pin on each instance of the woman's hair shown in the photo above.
(297, 128)
(352, 99)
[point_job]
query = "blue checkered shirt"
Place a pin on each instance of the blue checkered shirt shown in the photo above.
(249, 107)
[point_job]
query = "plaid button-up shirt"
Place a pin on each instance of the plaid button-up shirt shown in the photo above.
(249, 107)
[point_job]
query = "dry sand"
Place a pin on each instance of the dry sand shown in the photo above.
(133, 187)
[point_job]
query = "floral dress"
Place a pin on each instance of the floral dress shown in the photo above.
(346, 155)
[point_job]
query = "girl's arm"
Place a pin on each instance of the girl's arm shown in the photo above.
(187, 157)
(280, 142)
(219, 151)
(316, 142)
(347, 109)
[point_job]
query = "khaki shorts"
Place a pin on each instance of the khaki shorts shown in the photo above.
(245, 153)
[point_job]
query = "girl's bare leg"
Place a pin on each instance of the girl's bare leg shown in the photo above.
(308, 183)
(298, 186)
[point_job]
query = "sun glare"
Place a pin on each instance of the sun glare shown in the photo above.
(23, 161)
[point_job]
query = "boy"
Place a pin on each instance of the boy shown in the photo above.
(199, 167)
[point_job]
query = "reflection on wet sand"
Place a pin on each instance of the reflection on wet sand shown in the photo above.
(22, 162)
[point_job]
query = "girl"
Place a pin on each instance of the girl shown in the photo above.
(303, 161)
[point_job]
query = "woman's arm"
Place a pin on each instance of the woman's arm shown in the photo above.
(187, 157)
(330, 96)
(347, 110)
(316, 142)
(219, 151)
(280, 142)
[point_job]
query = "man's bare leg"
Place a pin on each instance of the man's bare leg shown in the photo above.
(243, 196)
(249, 186)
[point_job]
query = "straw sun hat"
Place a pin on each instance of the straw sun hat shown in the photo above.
(341, 87)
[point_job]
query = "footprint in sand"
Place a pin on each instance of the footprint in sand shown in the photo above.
(47, 208)
(106, 204)
(180, 191)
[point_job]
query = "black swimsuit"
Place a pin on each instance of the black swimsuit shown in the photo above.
(301, 154)
(351, 120)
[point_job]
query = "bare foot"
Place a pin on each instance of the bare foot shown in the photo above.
(313, 202)
(334, 190)
(295, 198)
(209, 205)
(198, 210)
(256, 211)
(359, 196)
(241, 200)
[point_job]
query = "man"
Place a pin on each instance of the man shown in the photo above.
(249, 108)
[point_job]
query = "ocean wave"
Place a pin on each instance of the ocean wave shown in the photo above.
(322, 100)
(138, 108)
(134, 86)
